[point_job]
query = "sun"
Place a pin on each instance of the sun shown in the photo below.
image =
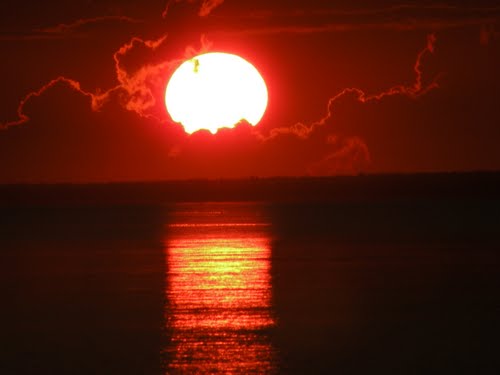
(215, 90)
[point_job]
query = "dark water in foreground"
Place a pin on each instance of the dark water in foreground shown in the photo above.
(403, 288)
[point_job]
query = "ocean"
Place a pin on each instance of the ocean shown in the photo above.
(292, 286)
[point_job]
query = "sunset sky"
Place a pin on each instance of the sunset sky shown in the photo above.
(375, 87)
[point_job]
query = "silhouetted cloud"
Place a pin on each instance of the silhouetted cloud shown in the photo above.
(413, 91)
(96, 100)
(350, 154)
(138, 91)
(136, 88)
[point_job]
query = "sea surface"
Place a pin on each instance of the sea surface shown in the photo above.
(400, 287)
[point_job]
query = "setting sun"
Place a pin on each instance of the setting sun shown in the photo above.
(215, 90)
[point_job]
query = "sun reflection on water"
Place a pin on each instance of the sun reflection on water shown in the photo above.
(218, 293)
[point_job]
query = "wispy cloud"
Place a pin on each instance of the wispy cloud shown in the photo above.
(350, 155)
(64, 30)
(206, 6)
(408, 25)
(399, 17)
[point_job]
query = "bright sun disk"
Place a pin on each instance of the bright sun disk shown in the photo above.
(216, 90)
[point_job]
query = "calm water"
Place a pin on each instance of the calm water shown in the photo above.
(403, 288)
(219, 308)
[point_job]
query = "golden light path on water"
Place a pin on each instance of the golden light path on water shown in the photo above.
(218, 294)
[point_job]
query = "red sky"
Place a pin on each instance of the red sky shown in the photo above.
(376, 87)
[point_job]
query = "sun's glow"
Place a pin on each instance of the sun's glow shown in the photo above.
(216, 90)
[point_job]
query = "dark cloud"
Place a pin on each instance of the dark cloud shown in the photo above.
(78, 145)
(138, 91)
(413, 91)
(311, 19)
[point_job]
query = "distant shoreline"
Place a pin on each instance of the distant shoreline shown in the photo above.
(256, 178)
(360, 188)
